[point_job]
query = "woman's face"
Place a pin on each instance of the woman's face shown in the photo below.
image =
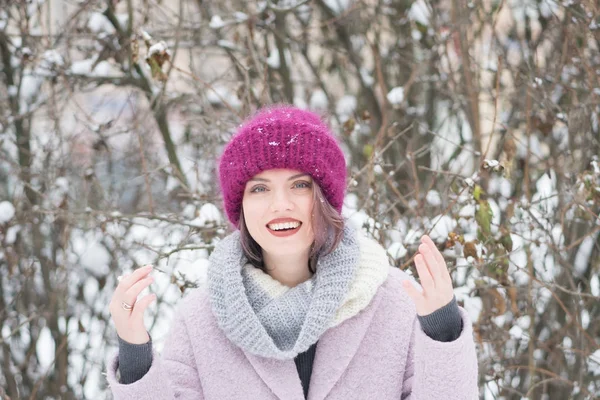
(278, 206)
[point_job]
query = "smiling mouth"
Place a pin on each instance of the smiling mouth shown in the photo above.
(285, 226)
(284, 229)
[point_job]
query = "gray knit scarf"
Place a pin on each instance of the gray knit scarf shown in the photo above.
(287, 325)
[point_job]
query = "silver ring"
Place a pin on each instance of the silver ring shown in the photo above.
(126, 307)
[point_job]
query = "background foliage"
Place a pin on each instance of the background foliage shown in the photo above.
(473, 121)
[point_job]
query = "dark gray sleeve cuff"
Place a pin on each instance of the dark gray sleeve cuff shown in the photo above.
(134, 360)
(443, 325)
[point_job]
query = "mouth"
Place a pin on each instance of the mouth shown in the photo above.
(282, 229)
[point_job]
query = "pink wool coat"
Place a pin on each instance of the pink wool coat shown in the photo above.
(381, 353)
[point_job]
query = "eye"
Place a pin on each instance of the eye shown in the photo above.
(258, 189)
(302, 185)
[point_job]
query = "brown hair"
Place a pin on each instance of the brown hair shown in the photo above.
(327, 224)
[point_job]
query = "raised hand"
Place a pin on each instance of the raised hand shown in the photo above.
(435, 279)
(127, 311)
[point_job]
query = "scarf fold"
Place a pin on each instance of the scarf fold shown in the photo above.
(266, 318)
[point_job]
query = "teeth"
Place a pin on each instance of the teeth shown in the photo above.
(285, 225)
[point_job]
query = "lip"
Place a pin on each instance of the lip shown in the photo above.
(283, 233)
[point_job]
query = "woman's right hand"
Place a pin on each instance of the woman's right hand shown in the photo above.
(130, 322)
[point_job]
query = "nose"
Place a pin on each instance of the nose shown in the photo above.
(281, 201)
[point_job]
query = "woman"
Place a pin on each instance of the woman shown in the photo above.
(298, 305)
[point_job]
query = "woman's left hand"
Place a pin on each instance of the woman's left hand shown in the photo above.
(435, 279)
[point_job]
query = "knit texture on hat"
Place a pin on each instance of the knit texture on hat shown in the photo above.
(282, 137)
(289, 324)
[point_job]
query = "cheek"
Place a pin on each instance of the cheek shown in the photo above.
(253, 212)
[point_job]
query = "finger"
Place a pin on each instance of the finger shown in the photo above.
(412, 291)
(430, 261)
(141, 305)
(424, 275)
(438, 256)
(129, 280)
(436, 252)
(132, 294)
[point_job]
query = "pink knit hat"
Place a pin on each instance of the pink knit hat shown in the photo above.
(282, 137)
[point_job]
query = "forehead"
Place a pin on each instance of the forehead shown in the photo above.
(274, 174)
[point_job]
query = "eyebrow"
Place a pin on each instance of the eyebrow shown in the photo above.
(266, 180)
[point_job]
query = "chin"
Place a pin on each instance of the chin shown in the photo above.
(287, 249)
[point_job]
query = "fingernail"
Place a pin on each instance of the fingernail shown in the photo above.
(148, 267)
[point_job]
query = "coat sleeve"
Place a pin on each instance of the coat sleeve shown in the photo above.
(441, 370)
(171, 376)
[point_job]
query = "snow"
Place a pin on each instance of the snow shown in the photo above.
(595, 285)
(196, 270)
(472, 305)
(594, 164)
(216, 22)
(396, 95)
(346, 107)
(98, 23)
(366, 77)
(584, 253)
(397, 250)
(467, 211)
(274, 61)
(338, 6)
(419, 12)
(123, 19)
(441, 226)
(594, 362)
(90, 290)
(51, 58)
(318, 100)
(221, 92)
(30, 89)
(500, 185)
(93, 256)
(433, 198)
(11, 234)
(240, 16)
(84, 67)
(45, 349)
(62, 184)
(146, 36)
(226, 44)
(516, 332)
(548, 8)
(491, 164)
(114, 242)
(416, 35)
(160, 48)
(7, 212)
(209, 215)
(3, 19)
(545, 198)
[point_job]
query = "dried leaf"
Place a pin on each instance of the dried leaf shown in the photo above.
(349, 126)
(469, 249)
